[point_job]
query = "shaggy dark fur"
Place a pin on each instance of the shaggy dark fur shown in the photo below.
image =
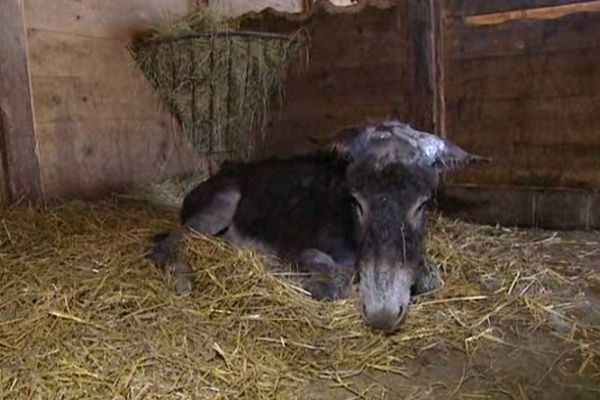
(334, 219)
(290, 205)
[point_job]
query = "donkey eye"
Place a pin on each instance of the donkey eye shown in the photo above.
(425, 205)
(430, 203)
(357, 205)
(417, 213)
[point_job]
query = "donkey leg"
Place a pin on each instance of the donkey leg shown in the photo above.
(327, 279)
(211, 218)
(429, 278)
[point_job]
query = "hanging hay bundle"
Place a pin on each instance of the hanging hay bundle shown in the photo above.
(218, 81)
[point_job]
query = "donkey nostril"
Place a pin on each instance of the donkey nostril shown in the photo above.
(401, 312)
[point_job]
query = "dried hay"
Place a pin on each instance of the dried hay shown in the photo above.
(219, 82)
(83, 316)
(168, 193)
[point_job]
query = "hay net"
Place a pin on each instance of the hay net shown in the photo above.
(219, 82)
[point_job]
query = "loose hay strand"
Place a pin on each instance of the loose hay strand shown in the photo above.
(83, 316)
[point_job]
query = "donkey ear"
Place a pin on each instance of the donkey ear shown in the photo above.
(453, 158)
(441, 154)
(342, 142)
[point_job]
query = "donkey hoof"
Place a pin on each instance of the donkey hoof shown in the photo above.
(184, 285)
(158, 255)
(328, 291)
(183, 278)
(429, 281)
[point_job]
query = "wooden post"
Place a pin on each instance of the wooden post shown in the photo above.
(307, 5)
(424, 79)
(437, 38)
(17, 127)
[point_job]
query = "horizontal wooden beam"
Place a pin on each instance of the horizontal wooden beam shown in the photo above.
(550, 12)
(16, 106)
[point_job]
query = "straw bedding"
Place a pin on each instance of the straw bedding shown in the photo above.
(83, 316)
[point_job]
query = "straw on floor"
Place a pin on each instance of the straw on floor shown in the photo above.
(83, 316)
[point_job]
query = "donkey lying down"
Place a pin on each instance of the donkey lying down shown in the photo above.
(356, 211)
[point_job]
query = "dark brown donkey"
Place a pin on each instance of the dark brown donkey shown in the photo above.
(357, 209)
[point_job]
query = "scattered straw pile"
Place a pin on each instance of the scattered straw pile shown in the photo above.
(218, 81)
(82, 316)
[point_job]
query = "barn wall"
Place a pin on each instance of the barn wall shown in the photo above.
(527, 93)
(18, 158)
(99, 124)
(367, 62)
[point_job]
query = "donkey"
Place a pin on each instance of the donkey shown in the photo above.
(356, 210)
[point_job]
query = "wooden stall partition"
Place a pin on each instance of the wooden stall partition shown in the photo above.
(522, 85)
(368, 61)
(98, 125)
(19, 169)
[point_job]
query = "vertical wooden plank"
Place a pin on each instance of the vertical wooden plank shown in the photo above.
(16, 106)
(307, 5)
(423, 66)
(4, 194)
(436, 17)
(439, 106)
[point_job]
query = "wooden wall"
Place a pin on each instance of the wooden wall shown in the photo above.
(99, 124)
(95, 123)
(367, 62)
(18, 155)
(527, 93)
(524, 91)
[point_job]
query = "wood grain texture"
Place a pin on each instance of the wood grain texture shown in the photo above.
(422, 53)
(101, 126)
(548, 12)
(80, 99)
(477, 7)
(569, 73)
(16, 109)
(103, 19)
(60, 54)
(367, 62)
(526, 93)
(546, 208)
(92, 157)
(573, 32)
